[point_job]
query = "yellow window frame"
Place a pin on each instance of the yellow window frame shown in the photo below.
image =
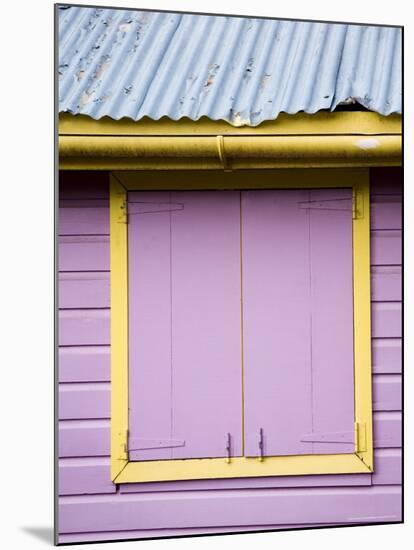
(125, 471)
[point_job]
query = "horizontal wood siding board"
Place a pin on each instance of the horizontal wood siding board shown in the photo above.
(160, 533)
(386, 247)
(386, 283)
(84, 253)
(84, 401)
(84, 327)
(240, 507)
(386, 212)
(386, 319)
(84, 290)
(84, 364)
(387, 429)
(83, 219)
(84, 203)
(387, 392)
(387, 467)
(79, 476)
(386, 355)
(84, 438)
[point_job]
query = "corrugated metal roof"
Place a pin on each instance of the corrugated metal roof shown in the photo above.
(122, 63)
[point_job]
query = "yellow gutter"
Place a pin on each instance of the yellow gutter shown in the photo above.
(328, 140)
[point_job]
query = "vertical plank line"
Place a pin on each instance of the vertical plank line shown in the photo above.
(241, 322)
(171, 337)
(309, 213)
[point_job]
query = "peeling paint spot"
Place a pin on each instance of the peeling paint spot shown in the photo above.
(213, 68)
(249, 69)
(62, 68)
(348, 101)
(80, 74)
(126, 26)
(86, 98)
(102, 68)
(238, 120)
(367, 143)
(101, 99)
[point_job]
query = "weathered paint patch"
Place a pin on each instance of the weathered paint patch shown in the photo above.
(247, 70)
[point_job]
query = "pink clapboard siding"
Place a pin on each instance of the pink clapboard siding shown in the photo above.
(90, 509)
(84, 364)
(84, 290)
(156, 533)
(241, 507)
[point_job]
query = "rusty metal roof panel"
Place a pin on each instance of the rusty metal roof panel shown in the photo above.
(122, 63)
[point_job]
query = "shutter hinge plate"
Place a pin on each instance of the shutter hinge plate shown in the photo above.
(342, 204)
(329, 437)
(123, 212)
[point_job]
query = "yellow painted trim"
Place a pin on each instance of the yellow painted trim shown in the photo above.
(242, 152)
(210, 468)
(123, 471)
(362, 319)
(248, 179)
(321, 123)
(326, 140)
(119, 325)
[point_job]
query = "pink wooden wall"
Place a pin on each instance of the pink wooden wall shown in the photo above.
(92, 508)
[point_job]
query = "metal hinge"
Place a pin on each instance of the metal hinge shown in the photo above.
(145, 207)
(261, 445)
(329, 437)
(360, 437)
(124, 446)
(228, 448)
(342, 204)
(123, 212)
(140, 443)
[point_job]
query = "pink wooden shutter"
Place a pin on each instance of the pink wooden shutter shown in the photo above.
(298, 322)
(184, 324)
